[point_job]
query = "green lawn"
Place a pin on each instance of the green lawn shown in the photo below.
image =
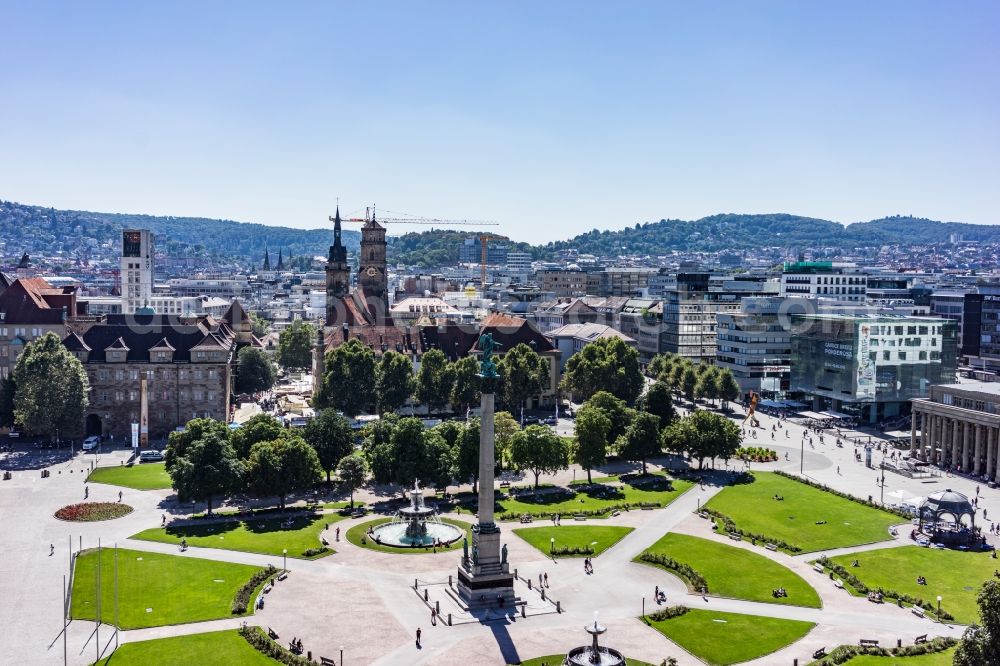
(587, 500)
(577, 536)
(144, 476)
(218, 648)
(737, 573)
(253, 535)
(156, 589)
(943, 658)
(794, 519)
(729, 638)
(953, 574)
(557, 660)
(358, 532)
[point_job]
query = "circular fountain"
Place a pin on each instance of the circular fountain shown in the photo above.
(594, 654)
(415, 525)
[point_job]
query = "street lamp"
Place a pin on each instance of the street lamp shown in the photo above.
(939, 608)
(341, 655)
(284, 559)
(552, 546)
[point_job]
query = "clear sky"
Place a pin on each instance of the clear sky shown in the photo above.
(551, 118)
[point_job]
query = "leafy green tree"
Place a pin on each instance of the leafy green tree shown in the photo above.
(659, 402)
(254, 371)
(451, 431)
(523, 374)
(592, 428)
(349, 382)
(209, 468)
(467, 454)
(258, 428)
(377, 448)
(676, 377)
(980, 643)
(434, 380)
(706, 386)
(505, 428)
(702, 435)
(689, 383)
(179, 441)
(295, 345)
(659, 364)
(465, 390)
(282, 466)
(393, 382)
(352, 471)
(258, 325)
(538, 449)
(440, 459)
(641, 439)
(52, 388)
(607, 364)
(331, 436)
(615, 410)
(726, 386)
(407, 443)
(7, 402)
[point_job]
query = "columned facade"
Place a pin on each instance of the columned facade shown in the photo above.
(958, 427)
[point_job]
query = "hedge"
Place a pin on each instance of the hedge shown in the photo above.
(861, 588)
(845, 653)
(625, 506)
(256, 637)
(683, 570)
(667, 613)
(573, 550)
(245, 592)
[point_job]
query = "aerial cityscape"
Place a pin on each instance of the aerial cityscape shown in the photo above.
(687, 350)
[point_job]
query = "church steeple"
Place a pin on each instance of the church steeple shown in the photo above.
(338, 253)
(338, 273)
(281, 263)
(267, 259)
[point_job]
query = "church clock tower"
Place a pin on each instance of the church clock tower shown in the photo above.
(372, 264)
(338, 272)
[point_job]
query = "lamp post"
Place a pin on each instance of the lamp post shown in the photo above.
(939, 608)
(802, 456)
(284, 559)
(881, 497)
(341, 655)
(552, 547)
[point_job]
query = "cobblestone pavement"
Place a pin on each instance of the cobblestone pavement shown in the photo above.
(363, 601)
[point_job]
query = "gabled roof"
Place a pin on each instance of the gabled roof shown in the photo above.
(141, 333)
(75, 343)
(162, 345)
(117, 345)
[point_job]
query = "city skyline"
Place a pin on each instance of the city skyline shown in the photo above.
(549, 122)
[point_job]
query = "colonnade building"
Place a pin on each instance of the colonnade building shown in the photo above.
(959, 426)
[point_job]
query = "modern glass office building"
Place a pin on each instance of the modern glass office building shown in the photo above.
(870, 366)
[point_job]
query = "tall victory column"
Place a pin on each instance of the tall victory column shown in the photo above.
(484, 577)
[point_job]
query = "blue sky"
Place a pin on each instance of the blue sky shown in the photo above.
(550, 118)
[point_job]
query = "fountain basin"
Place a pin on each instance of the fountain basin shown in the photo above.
(398, 533)
(584, 656)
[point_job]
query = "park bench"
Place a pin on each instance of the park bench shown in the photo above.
(868, 642)
(615, 513)
(918, 611)
(272, 634)
(505, 484)
(283, 575)
(920, 639)
(839, 584)
(735, 536)
(703, 515)
(358, 513)
(820, 653)
(579, 516)
(818, 568)
(526, 518)
(772, 547)
(326, 661)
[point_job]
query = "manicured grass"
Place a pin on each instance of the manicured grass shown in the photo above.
(729, 638)
(573, 536)
(253, 535)
(358, 532)
(588, 500)
(141, 476)
(794, 519)
(557, 660)
(218, 648)
(955, 575)
(735, 572)
(943, 658)
(156, 589)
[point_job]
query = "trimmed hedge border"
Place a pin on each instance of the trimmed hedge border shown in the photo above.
(259, 641)
(245, 592)
(626, 506)
(729, 525)
(668, 613)
(861, 588)
(685, 571)
(573, 550)
(820, 486)
(845, 653)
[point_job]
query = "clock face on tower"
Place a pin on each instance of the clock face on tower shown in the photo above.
(372, 271)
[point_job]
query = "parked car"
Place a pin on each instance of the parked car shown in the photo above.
(530, 420)
(550, 420)
(91, 443)
(152, 455)
(13, 434)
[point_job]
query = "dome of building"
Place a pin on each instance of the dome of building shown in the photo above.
(947, 502)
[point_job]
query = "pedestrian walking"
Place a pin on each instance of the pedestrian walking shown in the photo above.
(338, 534)
(418, 637)
(86, 492)
(163, 519)
(119, 496)
(546, 579)
(540, 578)
(52, 549)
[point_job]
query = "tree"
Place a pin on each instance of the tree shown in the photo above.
(467, 455)
(676, 377)
(295, 345)
(980, 643)
(434, 380)
(282, 466)
(538, 449)
(258, 428)
(349, 383)
(689, 382)
(52, 388)
(179, 441)
(393, 381)
(352, 471)
(705, 385)
(659, 364)
(254, 371)
(505, 427)
(465, 390)
(703, 435)
(523, 374)
(209, 468)
(258, 325)
(607, 364)
(641, 439)
(7, 402)
(331, 436)
(659, 402)
(592, 428)
(615, 410)
(377, 448)
(727, 388)
(408, 448)
(439, 459)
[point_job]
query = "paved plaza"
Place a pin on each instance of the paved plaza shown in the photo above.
(363, 601)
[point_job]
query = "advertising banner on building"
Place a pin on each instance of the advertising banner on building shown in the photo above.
(865, 383)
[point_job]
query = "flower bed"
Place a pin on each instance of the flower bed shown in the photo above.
(91, 511)
(756, 454)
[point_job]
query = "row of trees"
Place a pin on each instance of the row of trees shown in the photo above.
(356, 380)
(701, 381)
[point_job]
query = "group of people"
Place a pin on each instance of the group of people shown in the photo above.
(295, 646)
(779, 593)
(659, 595)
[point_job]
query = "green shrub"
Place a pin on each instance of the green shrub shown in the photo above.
(256, 637)
(887, 593)
(729, 526)
(245, 592)
(313, 552)
(696, 580)
(667, 613)
(845, 653)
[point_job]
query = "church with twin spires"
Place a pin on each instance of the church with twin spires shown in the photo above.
(368, 303)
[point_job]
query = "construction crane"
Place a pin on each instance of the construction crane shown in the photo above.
(484, 238)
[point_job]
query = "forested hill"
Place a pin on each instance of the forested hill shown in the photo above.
(38, 230)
